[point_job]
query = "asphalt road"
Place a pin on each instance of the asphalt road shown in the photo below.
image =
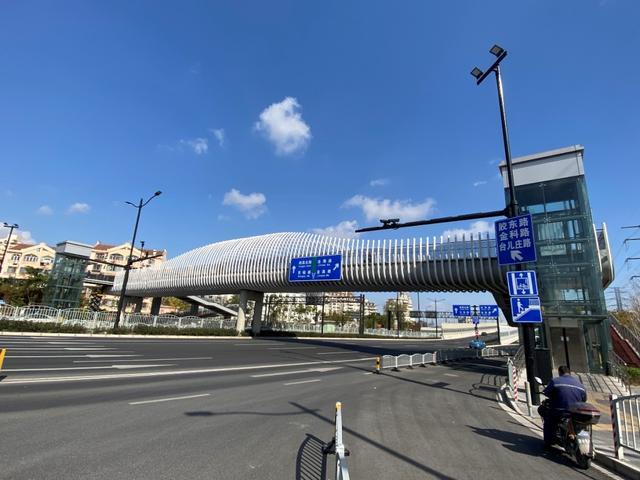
(257, 419)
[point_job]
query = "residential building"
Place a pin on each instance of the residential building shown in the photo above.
(21, 255)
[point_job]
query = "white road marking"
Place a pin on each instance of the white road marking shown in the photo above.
(320, 370)
(302, 381)
(250, 344)
(169, 399)
(89, 348)
(111, 376)
(340, 353)
(108, 355)
(141, 359)
(61, 349)
(451, 375)
(118, 367)
(68, 356)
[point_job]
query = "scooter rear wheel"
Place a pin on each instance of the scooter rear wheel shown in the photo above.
(583, 461)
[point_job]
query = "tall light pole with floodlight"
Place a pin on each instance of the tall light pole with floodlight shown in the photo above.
(528, 336)
(141, 204)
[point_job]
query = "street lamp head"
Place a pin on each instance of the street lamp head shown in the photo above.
(477, 73)
(157, 193)
(389, 222)
(9, 225)
(496, 50)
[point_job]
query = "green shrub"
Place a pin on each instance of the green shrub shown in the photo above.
(48, 327)
(151, 330)
(634, 375)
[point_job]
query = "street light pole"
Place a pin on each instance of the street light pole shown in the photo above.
(11, 227)
(127, 267)
(435, 307)
(528, 336)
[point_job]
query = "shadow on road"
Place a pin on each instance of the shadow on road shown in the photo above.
(529, 445)
(208, 413)
(378, 445)
(311, 461)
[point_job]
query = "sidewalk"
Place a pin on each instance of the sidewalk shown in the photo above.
(599, 387)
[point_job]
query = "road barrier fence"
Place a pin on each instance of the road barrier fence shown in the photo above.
(625, 421)
(395, 362)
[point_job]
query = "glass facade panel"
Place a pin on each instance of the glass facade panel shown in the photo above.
(568, 266)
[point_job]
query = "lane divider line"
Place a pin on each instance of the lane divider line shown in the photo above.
(142, 359)
(303, 381)
(164, 373)
(309, 370)
(158, 400)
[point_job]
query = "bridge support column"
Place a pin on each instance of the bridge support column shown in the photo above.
(155, 305)
(194, 309)
(256, 323)
(242, 311)
(137, 304)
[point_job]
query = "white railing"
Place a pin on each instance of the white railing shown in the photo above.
(105, 320)
(625, 420)
(395, 362)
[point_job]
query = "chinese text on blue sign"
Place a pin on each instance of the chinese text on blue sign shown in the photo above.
(316, 269)
(514, 240)
(523, 283)
(489, 311)
(461, 310)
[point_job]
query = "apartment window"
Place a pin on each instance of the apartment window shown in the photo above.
(15, 257)
(101, 256)
(30, 258)
(46, 260)
(116, 257)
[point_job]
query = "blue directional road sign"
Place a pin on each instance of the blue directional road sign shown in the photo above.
(488, 311)
(316, 269)
(461, 310)
(522, 283)
(514, 240)
(526, 310)
(475, 319)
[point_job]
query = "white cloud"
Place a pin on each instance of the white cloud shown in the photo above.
(199, 145)
(282, 124)
(45, 210)
(23, 236)
(219, 134)
(252, 205)
(79, 208)
(343, 229)
(477, 183)
(379, 182)
(479, 227)
(375, 209)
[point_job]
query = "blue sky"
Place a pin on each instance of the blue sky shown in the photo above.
(258, 117)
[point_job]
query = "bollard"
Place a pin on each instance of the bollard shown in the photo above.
(377, 365)
(2, 353)
(527, 392)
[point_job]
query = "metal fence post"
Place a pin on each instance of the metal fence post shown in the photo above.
(615, 424)
(510, 374)
(377, 364)
(155, 320)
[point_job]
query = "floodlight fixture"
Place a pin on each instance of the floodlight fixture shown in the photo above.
(496, 50)
(477, 73)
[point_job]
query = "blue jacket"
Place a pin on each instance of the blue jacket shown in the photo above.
(565, 390)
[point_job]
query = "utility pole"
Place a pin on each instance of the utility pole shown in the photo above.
(11, 227)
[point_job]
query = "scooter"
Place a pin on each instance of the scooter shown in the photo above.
(574, 431)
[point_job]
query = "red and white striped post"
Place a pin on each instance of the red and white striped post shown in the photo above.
(514, 380)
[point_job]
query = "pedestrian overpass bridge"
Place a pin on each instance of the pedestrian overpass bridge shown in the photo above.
(255, 265)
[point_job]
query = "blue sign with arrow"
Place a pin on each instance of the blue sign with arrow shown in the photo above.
(514, 240)
(526, 310)
(461, 310)
(489, 311)
(316, 269)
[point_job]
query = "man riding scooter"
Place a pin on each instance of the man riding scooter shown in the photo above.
(562, 391)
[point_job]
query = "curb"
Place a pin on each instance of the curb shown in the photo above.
(605, 461)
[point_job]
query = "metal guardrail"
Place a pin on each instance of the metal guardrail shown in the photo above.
(104, 320)
(618, 368)
(337, 448)
(625, 420)
(395, 362)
